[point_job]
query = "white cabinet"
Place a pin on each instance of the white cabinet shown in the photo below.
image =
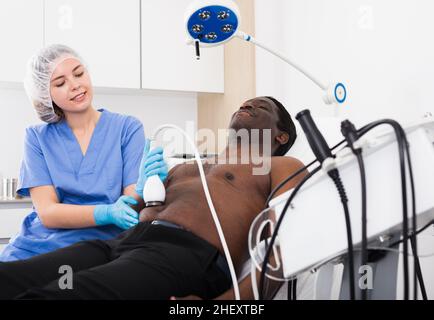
(106, 33)
(167, 62)
(11, 220)
(126, 44)
(12, 214)
(21, 35)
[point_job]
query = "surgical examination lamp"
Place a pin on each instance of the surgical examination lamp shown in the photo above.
(215, 22)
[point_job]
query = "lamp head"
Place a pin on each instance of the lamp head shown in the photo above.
(212, 22)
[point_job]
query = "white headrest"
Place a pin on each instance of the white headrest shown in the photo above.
(330, 127)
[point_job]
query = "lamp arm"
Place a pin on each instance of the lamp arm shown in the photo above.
(251, 39)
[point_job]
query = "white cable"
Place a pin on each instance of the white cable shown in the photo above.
(254, 281)
(210, 204)
(257, 249)
(261, 244)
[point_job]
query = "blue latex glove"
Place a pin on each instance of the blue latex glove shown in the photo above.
(152, 164)
(119, 213)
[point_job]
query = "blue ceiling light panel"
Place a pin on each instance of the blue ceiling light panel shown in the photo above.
(213, 24)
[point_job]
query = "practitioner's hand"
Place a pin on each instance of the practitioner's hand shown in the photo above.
(152, 164)
(119, 213)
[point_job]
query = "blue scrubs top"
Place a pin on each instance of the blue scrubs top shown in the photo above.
(52, 156)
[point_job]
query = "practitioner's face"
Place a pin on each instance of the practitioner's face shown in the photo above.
(70, 86)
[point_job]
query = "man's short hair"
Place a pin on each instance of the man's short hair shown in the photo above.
(285, 124)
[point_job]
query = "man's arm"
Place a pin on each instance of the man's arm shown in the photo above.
(283, 167)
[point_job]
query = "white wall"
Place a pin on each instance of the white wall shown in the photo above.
(152, 108)
(383, 51)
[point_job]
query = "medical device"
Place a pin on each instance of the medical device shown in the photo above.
(355, 146)
(154, 192)
(325, 235)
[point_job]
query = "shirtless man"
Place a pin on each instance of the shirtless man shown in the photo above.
(175, 250)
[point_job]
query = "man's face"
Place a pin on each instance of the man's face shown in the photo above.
(257, 113)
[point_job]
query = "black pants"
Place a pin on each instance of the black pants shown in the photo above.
(145, 262)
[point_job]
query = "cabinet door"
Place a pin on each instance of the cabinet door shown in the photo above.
(167, 61)
(21, 35)
(10, 221)
(106, 33)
